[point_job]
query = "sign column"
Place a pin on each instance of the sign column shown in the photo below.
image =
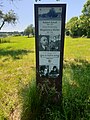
(49, 31)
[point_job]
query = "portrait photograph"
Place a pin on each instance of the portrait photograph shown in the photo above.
(43, 70)
(43, 43)
(54, 72)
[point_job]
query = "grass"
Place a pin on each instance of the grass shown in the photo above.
(17, 66)
(77, 48)
(76, 92)
(19, 97)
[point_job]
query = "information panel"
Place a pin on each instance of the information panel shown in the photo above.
(49, 36)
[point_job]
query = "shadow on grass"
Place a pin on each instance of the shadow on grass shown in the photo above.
(76, 90)
(15, 54)
(4, 40)
(76, 96)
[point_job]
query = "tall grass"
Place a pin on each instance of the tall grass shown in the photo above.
(76, 96)
(21, 99)
(30, 102)
(76, 88)
(76, 92)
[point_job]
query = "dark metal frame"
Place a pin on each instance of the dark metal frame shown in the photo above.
(58, 80)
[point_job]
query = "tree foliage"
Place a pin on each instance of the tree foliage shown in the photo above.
(80, 26)
(29, 30)
(9, 17)
(72, 26)
(86, 8)
(85, 17)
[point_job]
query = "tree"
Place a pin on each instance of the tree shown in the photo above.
(72, 27)
(77, 27)
(86, 8)
(9, 17)
(85, 17)
(29, 30)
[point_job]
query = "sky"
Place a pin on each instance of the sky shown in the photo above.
(24, 10)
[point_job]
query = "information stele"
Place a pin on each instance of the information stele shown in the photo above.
(49, 39)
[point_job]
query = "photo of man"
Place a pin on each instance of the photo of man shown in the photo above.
(43, 43)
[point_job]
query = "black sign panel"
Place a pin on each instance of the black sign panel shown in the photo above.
(49, 36)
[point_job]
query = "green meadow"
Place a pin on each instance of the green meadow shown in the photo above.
(19, 99)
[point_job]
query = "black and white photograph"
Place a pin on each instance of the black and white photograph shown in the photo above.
(54, 72)
(48, 71)
(54, 43)
(49, 13)
(43, 43)
(43, 70)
